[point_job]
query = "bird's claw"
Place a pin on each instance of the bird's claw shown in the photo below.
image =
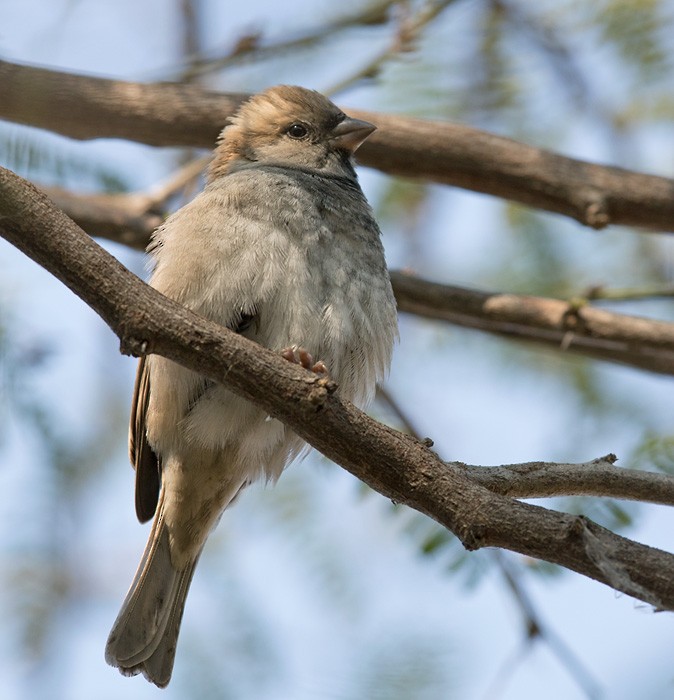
(302, 357)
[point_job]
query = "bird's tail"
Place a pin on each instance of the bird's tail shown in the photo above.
(145, 633)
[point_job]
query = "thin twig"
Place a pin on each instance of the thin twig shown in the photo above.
(599, 477)
(250, 47)
(601, 293)
(385, 395)
(407, 33)
(182, 178)
(507, 669)
(537, 629)
(128, 218)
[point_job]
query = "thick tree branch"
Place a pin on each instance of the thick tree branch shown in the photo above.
(394, 464)
(83, 107)
(631, 340)
(584, 330)
(165, 114)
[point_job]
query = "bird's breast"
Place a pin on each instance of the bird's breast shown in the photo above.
(335, 299)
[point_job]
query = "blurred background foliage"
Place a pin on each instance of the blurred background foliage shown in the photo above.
(312, 590)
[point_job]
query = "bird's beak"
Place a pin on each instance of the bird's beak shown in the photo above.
(350, 133)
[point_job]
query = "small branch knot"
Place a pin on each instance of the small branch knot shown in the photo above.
(133, 346)
(578, 527)
(596, 214)
(473, 538)
(321, 389)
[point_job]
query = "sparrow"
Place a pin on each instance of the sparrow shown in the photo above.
(282, 247)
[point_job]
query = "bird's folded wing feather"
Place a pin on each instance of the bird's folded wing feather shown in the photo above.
(143, 458)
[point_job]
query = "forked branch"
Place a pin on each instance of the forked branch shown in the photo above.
(398, 466)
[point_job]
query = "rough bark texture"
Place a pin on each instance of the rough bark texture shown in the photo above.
(396, 465)
(166, 114)
(630, 340)
(584, 330)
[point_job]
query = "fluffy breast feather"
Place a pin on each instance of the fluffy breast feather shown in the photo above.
(311, 268)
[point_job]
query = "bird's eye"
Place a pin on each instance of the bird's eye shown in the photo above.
(297, 131)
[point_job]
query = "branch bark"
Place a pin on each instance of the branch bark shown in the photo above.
(630, 340)
(124, 218)
(165, 114)
(596, 478)
(394, 464)
(544, 479)
(128, 218)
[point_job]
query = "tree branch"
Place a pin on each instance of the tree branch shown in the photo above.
(634, 341)
(394, 464)
(600, 477)
(534, 627)
(124, 218)
(165, 114)
(631, 340)
(596, 478)
(249, 46)
(580, 329)
(128, 218)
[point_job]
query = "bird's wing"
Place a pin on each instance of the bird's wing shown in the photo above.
(143, 458)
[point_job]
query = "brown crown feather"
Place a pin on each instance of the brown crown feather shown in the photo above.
(264, 116)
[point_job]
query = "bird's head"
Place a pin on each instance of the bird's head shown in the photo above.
(292, 127)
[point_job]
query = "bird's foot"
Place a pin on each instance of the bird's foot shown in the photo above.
(300, 356)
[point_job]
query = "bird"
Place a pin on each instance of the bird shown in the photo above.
(282, 247)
